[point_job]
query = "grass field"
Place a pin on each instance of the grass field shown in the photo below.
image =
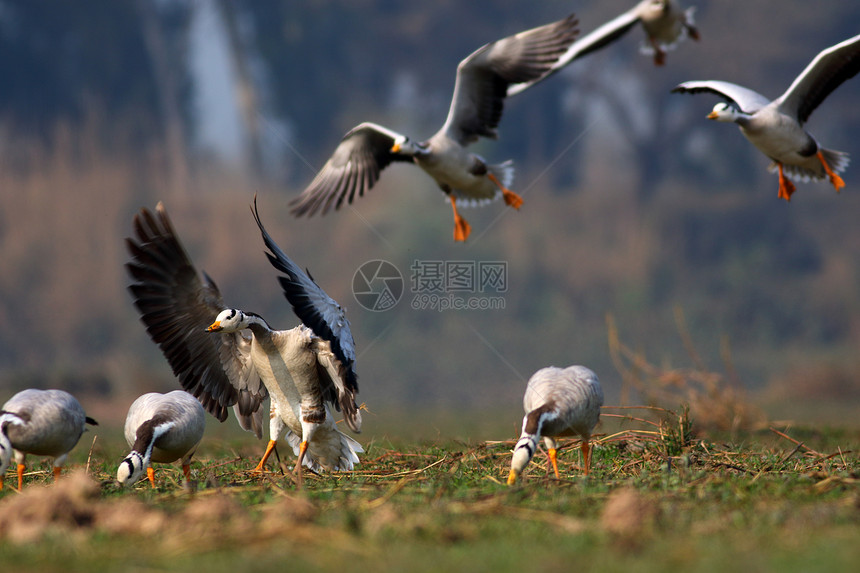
(656, 500)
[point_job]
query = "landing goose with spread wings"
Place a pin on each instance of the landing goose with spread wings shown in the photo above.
(41, 423)
(161, 428)
(228, 357)
(557, 402)
(776, 127)
(476, 109)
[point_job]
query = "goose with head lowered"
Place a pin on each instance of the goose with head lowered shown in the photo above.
(776, 127)
(664, 23)
(161, 428)
(42, 423)
(476, 109)
(558, 402)
(228, 357)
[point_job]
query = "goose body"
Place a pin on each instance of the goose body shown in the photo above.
(776, 127)
(557, 402)
(476, 109)
(664, 22)
(42, 423)
(161, 428)
(239, 360)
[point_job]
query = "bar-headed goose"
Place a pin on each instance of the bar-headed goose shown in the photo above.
(557, 402)
(42, 423)
(665, 25)
(476, 109)
(776, 127)
(161, 428)
(228, 357)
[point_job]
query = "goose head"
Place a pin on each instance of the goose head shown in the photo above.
(229, 320)
(130, 470)
(404, 146)
(726, 112)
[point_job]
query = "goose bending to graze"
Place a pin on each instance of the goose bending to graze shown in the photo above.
(476, 109)
(557, 402)
(665, 25)
(42, 423)
(776, 127)
(161, 428)
(238, 359)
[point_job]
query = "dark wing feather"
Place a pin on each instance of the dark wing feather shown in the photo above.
(176, 306)
(484, 76)
(353, 168)
(317, 310)
(824, 74)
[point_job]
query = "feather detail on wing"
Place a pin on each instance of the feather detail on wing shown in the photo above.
(316, 309)
(176, 305)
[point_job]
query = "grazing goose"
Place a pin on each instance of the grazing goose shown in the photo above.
(161, 428)
(776, 127)
(42, 423)
(476, 109)
(239, 359)
(665, 25)
(558, 402)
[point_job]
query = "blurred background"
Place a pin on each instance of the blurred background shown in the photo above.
(651, 246)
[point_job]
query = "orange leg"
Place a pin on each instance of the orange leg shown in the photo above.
(186, 471)
(552, 453)
(511, 198)
(786, 187)
(20, 476)
(150, 473)
(462, 229)
(303, 447)
(269, 448)
(586, 456)
(57, 472)
(837, 181)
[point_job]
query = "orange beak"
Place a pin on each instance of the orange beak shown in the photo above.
(395, 148)
(214, 327)
(712, 115)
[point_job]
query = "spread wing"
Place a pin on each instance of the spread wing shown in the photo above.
(483, 78)
(824, 74)
(353, 168)
(176, 304)
(317, 310)
(746, 99)
(602, 36)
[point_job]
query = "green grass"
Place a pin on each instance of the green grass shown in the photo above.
(760, 502)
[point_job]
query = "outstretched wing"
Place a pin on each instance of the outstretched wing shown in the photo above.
(602, 36)
(317, 310)
(177, 305)
(353, 168)
(484, 76)
(746, 99)
(824, 74)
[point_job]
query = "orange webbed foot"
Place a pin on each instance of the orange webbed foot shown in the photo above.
(835, 180)
(786, 187)
(512, 199)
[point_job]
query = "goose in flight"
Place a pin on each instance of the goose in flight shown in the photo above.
(776, 127)
(42, 423)
(161, 428)
(665, 25)
(476, 109)
(557, 402)
(227, 357)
